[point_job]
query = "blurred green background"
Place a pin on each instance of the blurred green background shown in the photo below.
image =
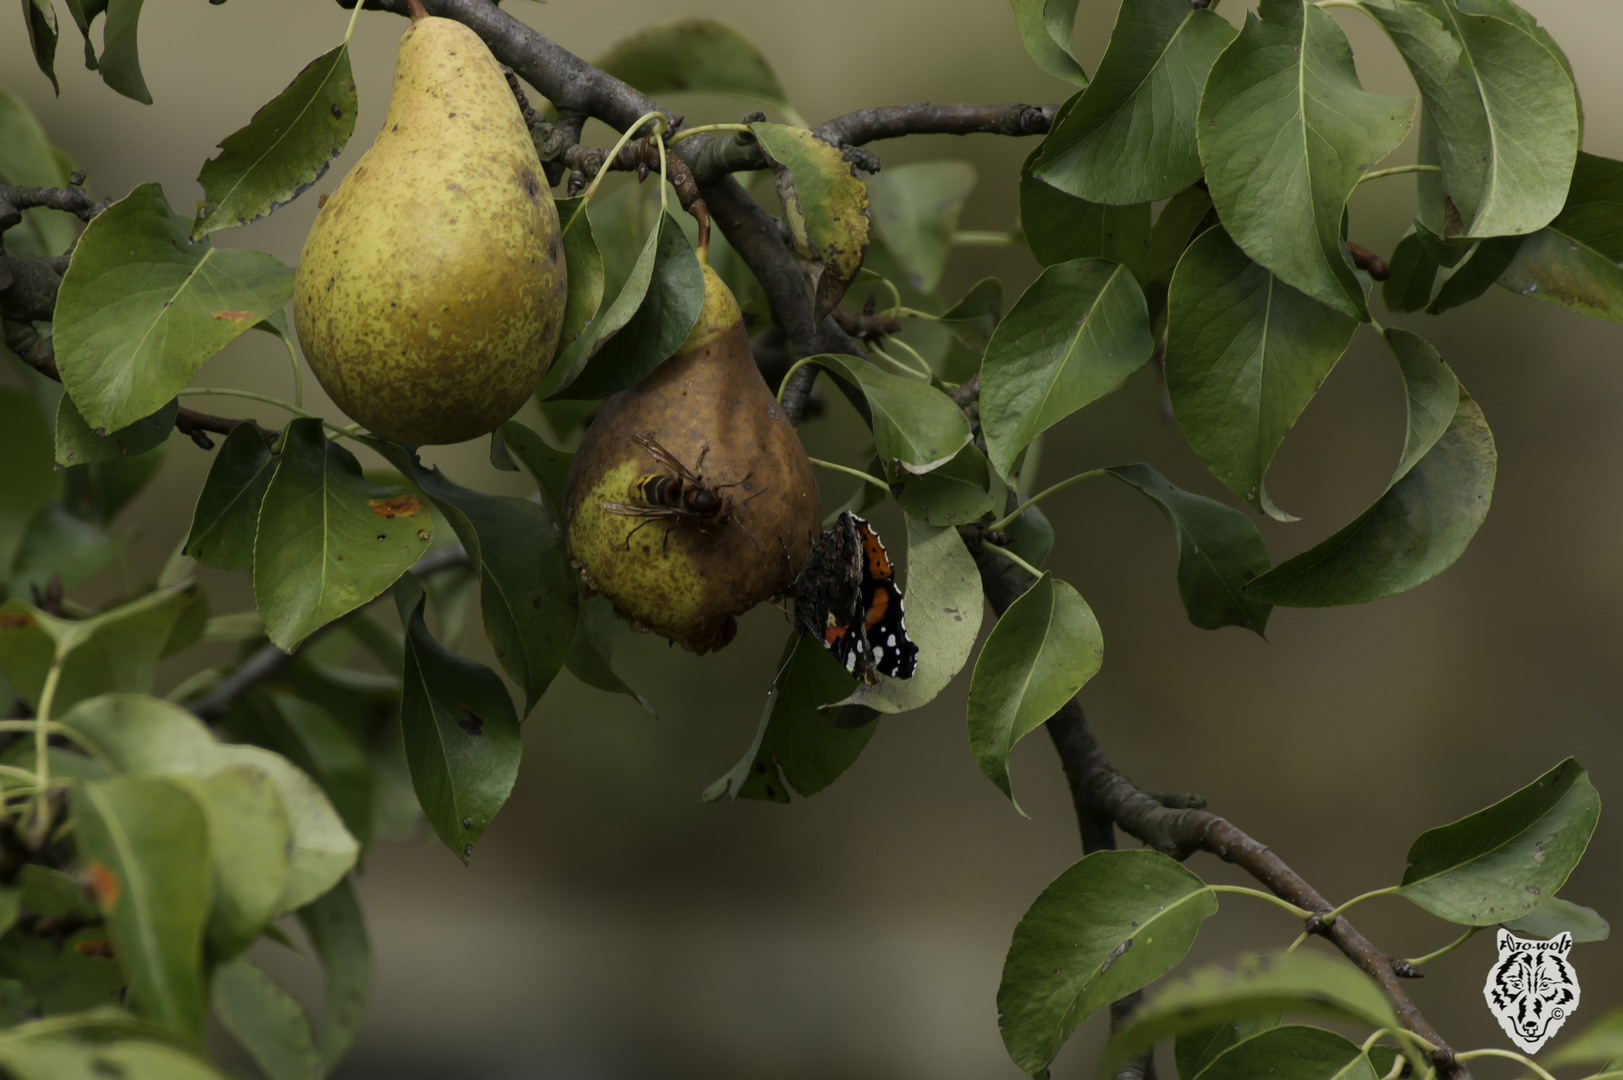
(612, 926)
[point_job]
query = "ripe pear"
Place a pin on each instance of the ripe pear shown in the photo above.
(431, 289)
(687, 574)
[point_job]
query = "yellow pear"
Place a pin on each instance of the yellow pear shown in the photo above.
(431, 288)
(690, 499)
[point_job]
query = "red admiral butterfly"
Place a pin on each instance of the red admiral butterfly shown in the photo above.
(847, 598)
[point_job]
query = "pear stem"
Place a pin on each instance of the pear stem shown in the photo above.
(415, 9)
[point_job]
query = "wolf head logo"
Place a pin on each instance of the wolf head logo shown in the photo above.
(1532, 989)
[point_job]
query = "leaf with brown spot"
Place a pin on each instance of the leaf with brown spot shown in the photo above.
(826, 206)
(103, 882)
(397, 506)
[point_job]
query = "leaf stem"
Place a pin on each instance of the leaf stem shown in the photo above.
(1509, 1055)
(873, 350)
(1396, 169)
(1331, 915)
(354, 16)
(1446, 949)
(1241, 890)
(226, 391)
(1009, 520)
(39, 823)
(293, 357)
(705, 129)
(858, 473)
(983, 238)
(794, 367)
(625, 137)
(19, 773)
(664, 185)
(924, 365)
(1017, 560)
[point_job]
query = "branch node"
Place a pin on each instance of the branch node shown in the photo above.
(1405, 970)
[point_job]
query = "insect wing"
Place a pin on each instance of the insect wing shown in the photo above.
(665, 458)
(893, 652)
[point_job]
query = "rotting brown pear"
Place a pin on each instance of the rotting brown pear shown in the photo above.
(685, 560)
(431, 289)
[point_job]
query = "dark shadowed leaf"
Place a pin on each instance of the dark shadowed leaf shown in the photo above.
(1047, 28)
(1292, 1052)
(583, 265)
(1131, 137)
(914, 424)
(120, 63)
(337, 932)
(548, 465)
(1195, 1050)
(25, 447)
(313, 739)
(56, 543)
(648, 321)
(1557, 916)
(1285, 133)
(266, 1020)
(1438, 497)
(800, 743)
(1501, 107)
(462, 737)
(1219, 552)
(1072, 337)
(98, 492)
(1254, 985)
(1110, 924)
(973, 318)
(285, 148)
(597, 630)
(1507, 860)
(1414, 271)
(1574, 262)
(1245, 354)
(145, 844)
(328, 540)
(142, 308)
(1040, 653)
(1060, 227)
(700, 55)
(40, 19)
(1473, 277)
(944, 609)
(227, 513)
(915, 208)
(1033, 535)
(955, 494)
(825, 205)
(1176, 226)
(76, 444)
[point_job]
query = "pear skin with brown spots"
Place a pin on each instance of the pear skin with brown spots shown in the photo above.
(688, 574)
(431, 289)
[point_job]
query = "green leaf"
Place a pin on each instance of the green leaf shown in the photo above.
(1059, 227)
(1597, 1044)
(914, 424)
(145, 735)
(955, 494)
(250, 840)
(145, 844)
(26, 157)
(142, 307)
(1292, 1052)
(1488, 261)
(266, 1021)
(1131, 137)
(649, 319)
(1113, 922)
(1176, 226)
(50, 980)
(826, 206)
(916, 208)
(120, 63)
(1285, 133)
(547, 465)
(1047, 27)
(1414, 271)
(1040, 653)
(1033, 535)
(1557, 916)
(328, 540)
(1245, 354)
(973, 318)
(597, 630)
(462, 738)
(583, 266)
(1251, 985)
(1574, 262)
(117, 649)
(57, 544)
(25, 447)
(805, 739)
(58, 1056)
(1505, 861)
(227, 513)
(285, 148)
(527, 590)
(337, 932)
(40, 19)
(699, 55)
(1072, 337)
(1219, 552)
(1501, 107)
(944, 608)
(1195, 1050)
(309, 736)
(76, 444)
(1437, 499)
